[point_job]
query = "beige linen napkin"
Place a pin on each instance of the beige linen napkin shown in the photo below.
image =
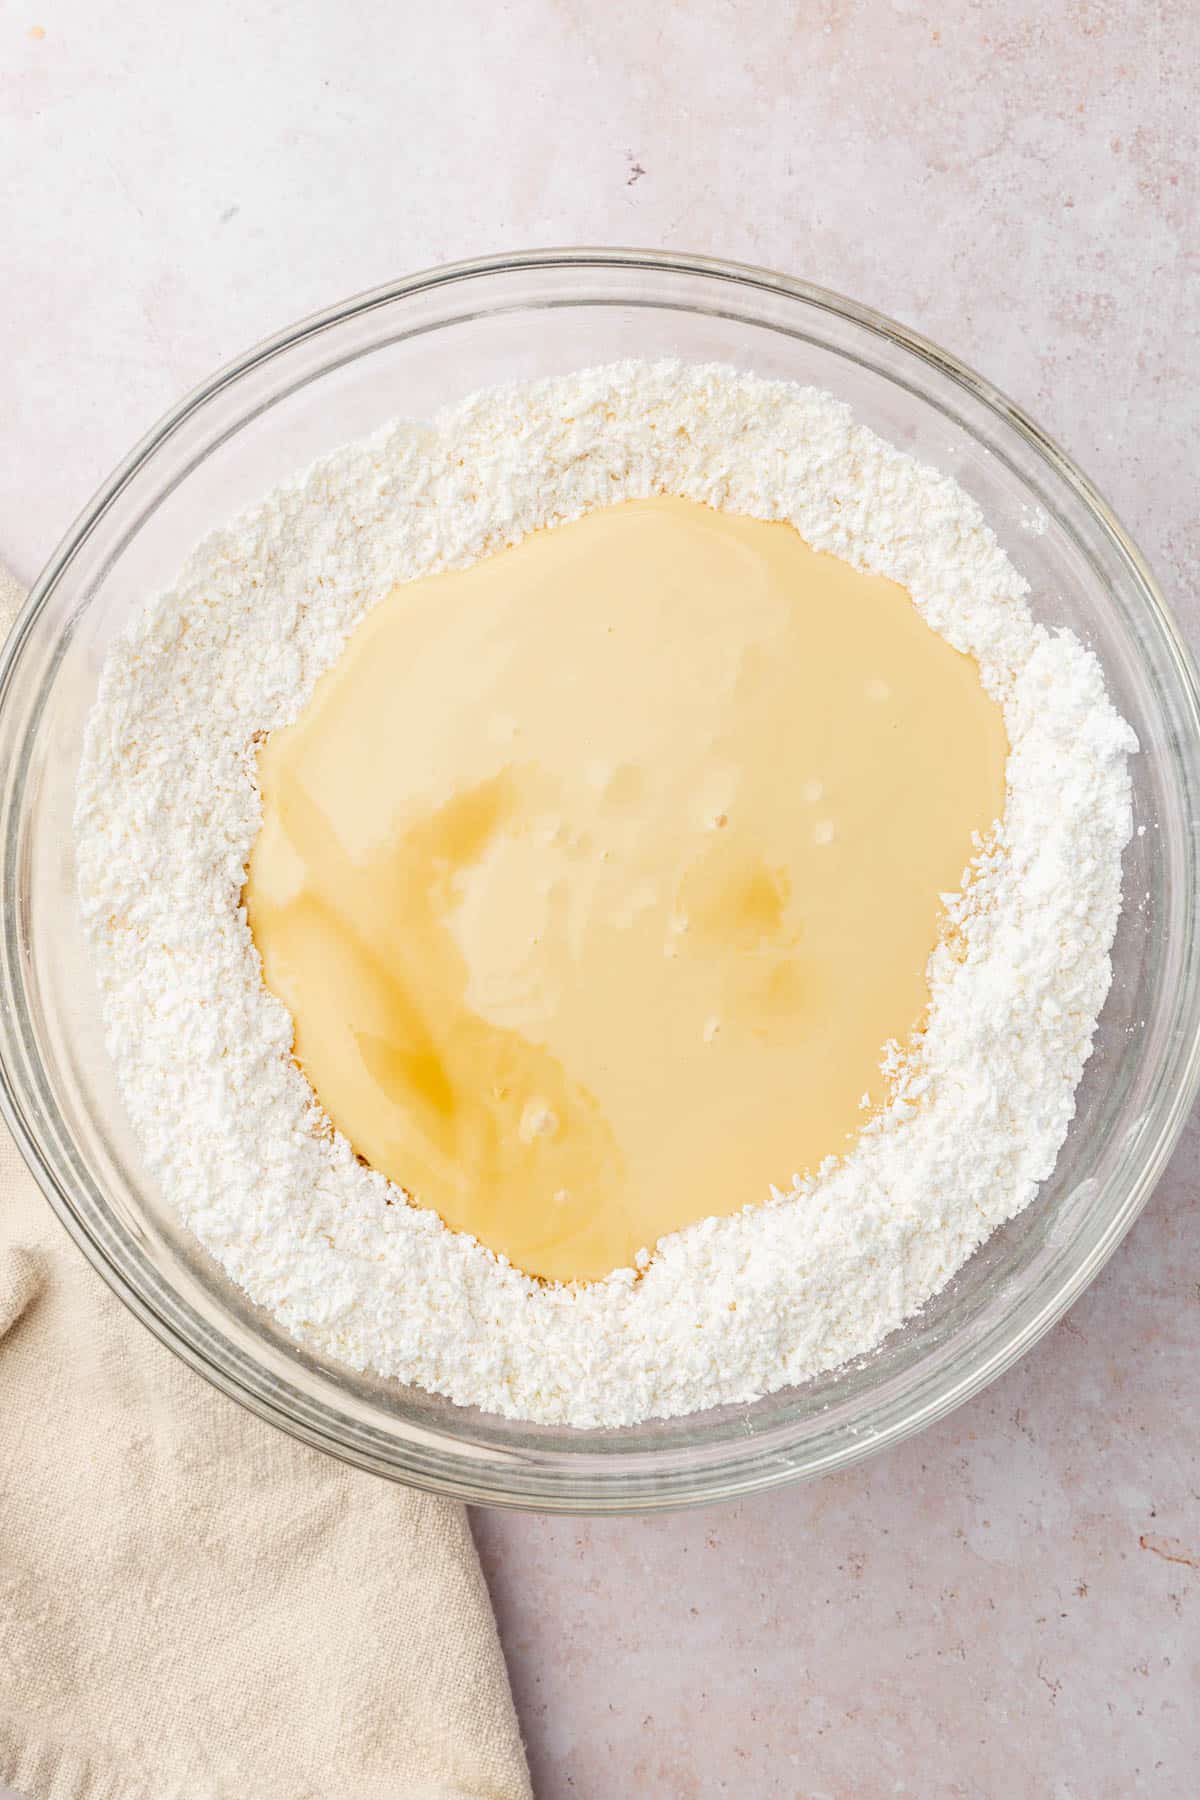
(192, 1606)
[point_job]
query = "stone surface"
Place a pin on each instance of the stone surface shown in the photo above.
(1009, 1604)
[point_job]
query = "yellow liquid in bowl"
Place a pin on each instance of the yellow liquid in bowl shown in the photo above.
(597, 876)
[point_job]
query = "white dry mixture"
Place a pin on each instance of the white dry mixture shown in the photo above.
(727, 1309)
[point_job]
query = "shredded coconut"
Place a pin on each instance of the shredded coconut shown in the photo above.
(729, 1308)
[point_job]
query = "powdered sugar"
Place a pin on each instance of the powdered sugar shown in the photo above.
(727, 1309)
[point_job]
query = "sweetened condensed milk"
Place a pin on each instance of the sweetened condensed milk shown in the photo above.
(596, 877)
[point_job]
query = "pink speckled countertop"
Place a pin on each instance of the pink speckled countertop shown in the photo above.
(1008, 1606)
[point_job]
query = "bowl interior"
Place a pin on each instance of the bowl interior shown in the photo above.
(410, 352)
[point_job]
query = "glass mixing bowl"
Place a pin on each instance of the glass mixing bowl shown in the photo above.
(410, 349)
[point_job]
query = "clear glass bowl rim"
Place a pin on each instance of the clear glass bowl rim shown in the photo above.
(590, 1492)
